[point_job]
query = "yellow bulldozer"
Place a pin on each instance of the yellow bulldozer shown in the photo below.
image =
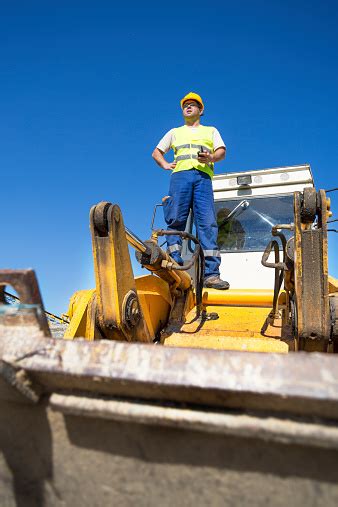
(169, 306)
(162, 390)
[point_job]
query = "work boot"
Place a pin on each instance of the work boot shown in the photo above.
(215, 282)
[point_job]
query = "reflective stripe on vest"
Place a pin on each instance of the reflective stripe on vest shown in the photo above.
(187, 143)
(199, 146)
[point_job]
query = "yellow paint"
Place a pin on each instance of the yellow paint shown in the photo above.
(238, 297)
(333, 284)
(232, 321)
(91, 327)
(237, 328)
(77, 312)
(114, 279)
(228, 343)
(155, 300)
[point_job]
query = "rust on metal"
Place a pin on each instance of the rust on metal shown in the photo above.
(271, 429)
(18, 379)
(119, 313)
(224, 379)
(312, 316)
(30, 310)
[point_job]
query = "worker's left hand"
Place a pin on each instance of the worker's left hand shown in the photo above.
(205, 157)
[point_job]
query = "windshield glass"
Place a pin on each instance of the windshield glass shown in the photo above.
(245, 224)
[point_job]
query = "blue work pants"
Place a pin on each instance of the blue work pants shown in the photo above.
(193, 189)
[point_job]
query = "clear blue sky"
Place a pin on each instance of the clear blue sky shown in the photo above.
(87, 89)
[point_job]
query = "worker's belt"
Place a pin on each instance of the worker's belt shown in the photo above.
(185, 146)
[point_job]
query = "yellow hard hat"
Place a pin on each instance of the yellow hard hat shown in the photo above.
(192, 96)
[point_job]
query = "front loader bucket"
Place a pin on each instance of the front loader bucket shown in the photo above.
(104, 422)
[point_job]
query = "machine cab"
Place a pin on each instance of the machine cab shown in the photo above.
(247, 205)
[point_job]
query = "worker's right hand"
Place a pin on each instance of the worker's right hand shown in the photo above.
(169, 166)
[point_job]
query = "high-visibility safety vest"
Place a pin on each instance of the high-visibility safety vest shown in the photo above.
(187, 143)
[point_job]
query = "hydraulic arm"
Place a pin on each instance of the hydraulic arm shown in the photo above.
(308, 308)
(113, 310)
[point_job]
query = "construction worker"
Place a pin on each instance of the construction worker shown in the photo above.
(196, 149)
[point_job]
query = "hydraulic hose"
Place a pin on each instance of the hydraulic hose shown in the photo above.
(197, 259)
(278, 266)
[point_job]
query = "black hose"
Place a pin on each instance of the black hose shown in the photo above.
(331, 190)
(279, 270)
(279, 277)
(197, 259)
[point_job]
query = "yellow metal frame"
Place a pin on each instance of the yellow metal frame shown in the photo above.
(240, 327)
(239, 297)
(154, 297)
